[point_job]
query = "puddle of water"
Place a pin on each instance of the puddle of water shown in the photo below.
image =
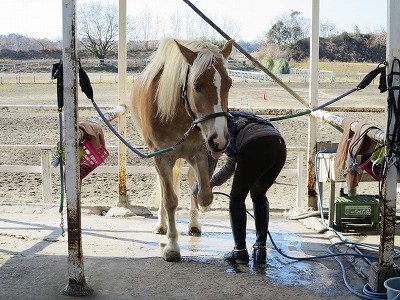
(216, 239)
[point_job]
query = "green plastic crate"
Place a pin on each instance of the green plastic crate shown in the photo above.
(360, 212)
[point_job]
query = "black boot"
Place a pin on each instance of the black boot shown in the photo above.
(238, 218)
(261, 219)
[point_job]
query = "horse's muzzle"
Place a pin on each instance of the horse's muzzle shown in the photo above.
(217, 144)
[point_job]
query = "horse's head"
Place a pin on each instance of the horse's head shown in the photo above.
(206, 91)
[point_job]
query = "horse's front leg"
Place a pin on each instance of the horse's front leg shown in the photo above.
(203, 166)
(164, 167)
(194, 225)
(161, 225)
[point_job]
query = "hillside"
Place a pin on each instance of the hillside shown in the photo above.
(344, 48)
(337, 50)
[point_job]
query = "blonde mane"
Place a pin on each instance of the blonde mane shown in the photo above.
(169, 60)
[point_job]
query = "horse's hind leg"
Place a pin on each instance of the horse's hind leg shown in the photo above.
(171, 251)
(194, 225)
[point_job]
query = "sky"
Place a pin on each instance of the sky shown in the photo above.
(43, 18)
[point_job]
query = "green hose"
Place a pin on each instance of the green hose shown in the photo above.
(302, 113)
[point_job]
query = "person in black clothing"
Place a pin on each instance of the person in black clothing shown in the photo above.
(256, 155)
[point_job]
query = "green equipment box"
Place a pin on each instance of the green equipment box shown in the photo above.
(359, 212)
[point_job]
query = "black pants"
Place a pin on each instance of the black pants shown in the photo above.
(258, 165)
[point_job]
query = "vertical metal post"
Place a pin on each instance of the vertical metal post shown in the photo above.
(386, 252)
(385, 268)
(76, 285)
(123, 197)
(313, 100)
(123, 207)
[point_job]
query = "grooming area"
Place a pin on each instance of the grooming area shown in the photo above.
(123, 259)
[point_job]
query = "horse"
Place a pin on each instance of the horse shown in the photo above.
(181, 99)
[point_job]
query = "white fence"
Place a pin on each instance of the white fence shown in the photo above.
(323, 76)
(24, 78)
(46, 168)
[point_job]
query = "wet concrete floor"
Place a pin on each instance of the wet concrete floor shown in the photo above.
(122, 260)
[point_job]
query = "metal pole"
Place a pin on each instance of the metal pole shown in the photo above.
(313, 101)
(76, 285)
(123, 197)
(123, 207)
(385, 268)
(336, 121)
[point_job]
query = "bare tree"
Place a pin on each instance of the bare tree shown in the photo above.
(190, 26)
(176, 24)
(145, 26)
(327, 29)
(231, 27)
(133, 32)
(98, 28)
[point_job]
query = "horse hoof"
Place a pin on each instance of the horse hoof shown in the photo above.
(194, 231)
(160, 230)
(204, 208)
(172, 256)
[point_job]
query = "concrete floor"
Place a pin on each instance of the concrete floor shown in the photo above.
(122, 259)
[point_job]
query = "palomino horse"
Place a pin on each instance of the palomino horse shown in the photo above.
(185, 84)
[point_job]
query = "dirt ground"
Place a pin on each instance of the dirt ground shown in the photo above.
(33, 255)
(21, 127)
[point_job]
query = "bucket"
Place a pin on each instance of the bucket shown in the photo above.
(92, 158)
(392, 286)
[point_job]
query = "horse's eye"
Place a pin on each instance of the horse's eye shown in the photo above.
(197, 87)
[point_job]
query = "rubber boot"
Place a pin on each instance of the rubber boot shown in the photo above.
(261, 219)
(238, 218)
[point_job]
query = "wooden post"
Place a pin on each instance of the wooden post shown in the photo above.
(46, 175)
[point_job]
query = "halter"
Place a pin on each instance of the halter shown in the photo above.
(190, 111)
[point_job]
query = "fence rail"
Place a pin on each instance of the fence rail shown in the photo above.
(46, 168)
(46, 152)
(323, 76)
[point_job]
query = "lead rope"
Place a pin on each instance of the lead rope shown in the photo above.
(58, 74)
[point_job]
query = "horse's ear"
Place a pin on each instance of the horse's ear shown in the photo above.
(189, 55)
(226, 51)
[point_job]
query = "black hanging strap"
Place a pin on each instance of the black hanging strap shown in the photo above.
(84, 82)
(393, 104)
(57, 73)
